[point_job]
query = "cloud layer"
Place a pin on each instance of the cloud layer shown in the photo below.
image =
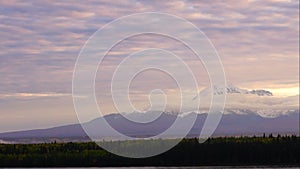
(258, 42)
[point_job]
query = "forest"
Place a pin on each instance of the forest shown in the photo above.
(233, 151)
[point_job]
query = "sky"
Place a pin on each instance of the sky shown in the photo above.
(257, 41)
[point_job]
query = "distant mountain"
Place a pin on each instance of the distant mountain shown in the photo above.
(230, 89)
(260, 92)
(234, 122)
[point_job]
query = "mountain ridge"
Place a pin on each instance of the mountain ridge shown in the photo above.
(231, 89)
(234, 123)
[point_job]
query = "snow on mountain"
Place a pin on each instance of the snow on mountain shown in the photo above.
(230, 89)
(261, 92)
(265, 113)
(262, 102)
(235, 122)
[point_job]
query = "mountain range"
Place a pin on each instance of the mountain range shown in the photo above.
(248, 112)
(233, 123)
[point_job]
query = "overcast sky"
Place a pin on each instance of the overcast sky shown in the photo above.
(258, 43)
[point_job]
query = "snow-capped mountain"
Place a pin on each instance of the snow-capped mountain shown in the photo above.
(230, 89)
(234, 122)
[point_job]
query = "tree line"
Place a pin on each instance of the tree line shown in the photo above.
(266, 150)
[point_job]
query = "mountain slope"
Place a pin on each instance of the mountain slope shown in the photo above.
(245, 123)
